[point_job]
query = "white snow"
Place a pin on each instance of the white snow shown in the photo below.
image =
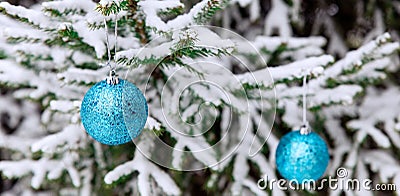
(309, 66)
(33, 16)
(187, 19)
(151, 8)
(146, 170)
(152, 123)
(329, 96)
(94, 38)
(13, 73)
(17, 32)
(59, 85)
(272, 43)
(64, 5)
(161, 50)
(62, 105)
(105, 3)
(67, 138)
(378, 107)
(39, 168)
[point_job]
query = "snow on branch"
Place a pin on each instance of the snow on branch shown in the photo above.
(241, 157)
(292, 71)
(45, 83)
(105, 3)
(382, 162)
(200, 12)
(108, 7)
(358, 57)
(370, 71)
(42, 168)
(191, 43)
(94, 38)
(65, 6)
(16, 143)
(66, 29)
(338, 93)
(24, 33)
(77, 75)
(151, 9)
(12, 73)
(271, 44)
(23, 116)
(378, 107)
(69, 138)
(156, 52)
(41, 52)
(289, 99)
(40, 83)
(331, 96)
(34, 17)
(342, 144)
(146, 170)
(195, 144)
(152, 123)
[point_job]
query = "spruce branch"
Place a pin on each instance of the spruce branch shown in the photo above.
(113, 7)
(209, 10)
(5, 8)
(47, 61)
(57, 13)
(173, 53)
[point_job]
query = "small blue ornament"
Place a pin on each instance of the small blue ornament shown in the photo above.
(106, 107)
(302, 157)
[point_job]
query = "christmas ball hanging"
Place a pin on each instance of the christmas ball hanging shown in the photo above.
(302, 157)
(107, 106)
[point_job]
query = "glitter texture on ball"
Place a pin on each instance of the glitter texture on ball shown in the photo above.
(103, 112)
(302, 157)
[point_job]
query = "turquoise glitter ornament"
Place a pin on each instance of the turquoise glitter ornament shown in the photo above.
(302, 157)
(107, 107)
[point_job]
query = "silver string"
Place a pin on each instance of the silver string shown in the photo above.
(116, 36)
(107, 43)
(304, 99)
(305, 127)
(112, 79)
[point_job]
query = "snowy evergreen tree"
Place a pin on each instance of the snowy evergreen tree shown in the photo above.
(211, 96)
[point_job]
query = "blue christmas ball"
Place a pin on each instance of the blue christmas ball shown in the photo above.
(302, 157)
(106, 108)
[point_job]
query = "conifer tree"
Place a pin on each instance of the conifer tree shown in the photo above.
(223, 83)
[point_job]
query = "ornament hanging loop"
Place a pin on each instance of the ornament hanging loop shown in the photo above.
(112, 78)
(305, 128)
